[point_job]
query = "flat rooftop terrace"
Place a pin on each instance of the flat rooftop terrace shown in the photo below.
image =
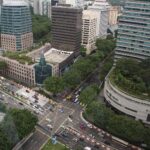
(55, 56)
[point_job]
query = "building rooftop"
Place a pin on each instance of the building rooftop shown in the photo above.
(54, 56)
(89, 14)
(15, 3)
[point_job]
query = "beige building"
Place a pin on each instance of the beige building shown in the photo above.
(23, 73)
(59, 60)
(9, 42)
(113, 15)
(89, 30)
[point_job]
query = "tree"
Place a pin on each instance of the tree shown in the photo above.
(41, 26)
(4, 143)
(72, 78)
(2, 107)
(9, 128)
(105, 45)
(84, 67)
(54, 84)
(3, 65)
(88, 95)
(83, 51)
(24, 121)
(118, 125)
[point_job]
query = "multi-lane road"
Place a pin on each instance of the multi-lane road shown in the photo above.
(64, 116)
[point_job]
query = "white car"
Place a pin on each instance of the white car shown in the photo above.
(76, 100)
(50, 126)
(49, 120)
(77, 95)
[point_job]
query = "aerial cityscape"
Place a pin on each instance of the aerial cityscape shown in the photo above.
(74, 74)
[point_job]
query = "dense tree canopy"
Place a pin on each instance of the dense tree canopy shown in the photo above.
(133, 76)
(41, 27)
(105, 45)
(23, 120)
(16, 125)
(54, 84)
(88, 95)
(121, 126)
(72, 78)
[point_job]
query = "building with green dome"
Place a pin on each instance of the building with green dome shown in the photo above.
(42, 70)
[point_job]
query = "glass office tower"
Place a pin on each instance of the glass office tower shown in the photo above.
(134, 30)
(16, 25)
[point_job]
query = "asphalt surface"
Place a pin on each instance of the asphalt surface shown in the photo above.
(35, 142)
(58, 118)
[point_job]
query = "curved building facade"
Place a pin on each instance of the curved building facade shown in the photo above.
(137, 108)
(16, 25)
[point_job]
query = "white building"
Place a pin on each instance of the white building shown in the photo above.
(42, 7)
(89, 30)
(101, 7)
(113, 15)
(130, 105)
(74, 3)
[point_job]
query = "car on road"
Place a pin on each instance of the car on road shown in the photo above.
(49, 120)
(50, 126)
(82, 126)
(77, 95)
(64, 134)
(20, 103)
(107, 142)
(76, 100)
(61, 110)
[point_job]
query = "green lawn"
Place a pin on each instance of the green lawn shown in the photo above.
(50, 146)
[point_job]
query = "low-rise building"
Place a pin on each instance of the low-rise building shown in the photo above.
(22, 73)
(59, 60)
(42, 63)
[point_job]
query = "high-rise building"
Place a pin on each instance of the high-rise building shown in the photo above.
(89, 30)
(54, 2)
(101, 7)
(42, 7)
(113, 15)
(16, 25)
(1, 1)
(66, 28)
(134, 30)
(74, 3)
